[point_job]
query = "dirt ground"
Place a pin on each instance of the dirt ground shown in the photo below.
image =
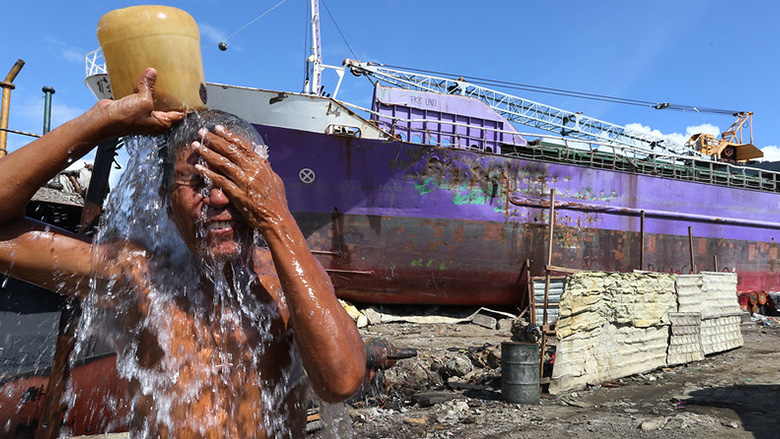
(728, 395)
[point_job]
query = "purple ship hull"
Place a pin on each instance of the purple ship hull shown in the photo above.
(440, 200)
(396, 222)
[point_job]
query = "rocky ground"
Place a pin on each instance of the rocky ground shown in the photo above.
(728, 395)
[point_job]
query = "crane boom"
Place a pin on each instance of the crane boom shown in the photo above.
(523, 111)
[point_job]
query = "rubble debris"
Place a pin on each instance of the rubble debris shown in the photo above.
(428, 399)
(525, 332)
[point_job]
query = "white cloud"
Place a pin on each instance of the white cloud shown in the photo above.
(678, 138)
(67, 52)
(771, 153)
(210, 34)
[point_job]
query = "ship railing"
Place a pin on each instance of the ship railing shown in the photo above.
(429, 132)
(95, 63)
(664, 165)
(625, 158)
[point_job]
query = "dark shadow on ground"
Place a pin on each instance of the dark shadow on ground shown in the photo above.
(758, 406)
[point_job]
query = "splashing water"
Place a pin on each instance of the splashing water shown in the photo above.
(202, 343)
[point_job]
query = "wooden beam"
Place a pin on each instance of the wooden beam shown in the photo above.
(555, 268)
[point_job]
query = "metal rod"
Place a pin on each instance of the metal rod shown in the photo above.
(642, 237)
(335, 270)
(690, 245)
(24, 133)
(7, 85)
(47, 92)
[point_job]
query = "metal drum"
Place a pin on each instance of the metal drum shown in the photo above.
(520, 372)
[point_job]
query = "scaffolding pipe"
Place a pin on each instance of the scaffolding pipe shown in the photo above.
(7, 84)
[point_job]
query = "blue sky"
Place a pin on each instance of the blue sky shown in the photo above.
(715, 54)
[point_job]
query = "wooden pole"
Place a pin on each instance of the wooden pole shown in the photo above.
(642, 237)
(690, 245)
(551, 230)
(715, 262)
(98, 184)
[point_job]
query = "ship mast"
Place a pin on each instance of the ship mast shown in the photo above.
(314, 66)
(314, 61)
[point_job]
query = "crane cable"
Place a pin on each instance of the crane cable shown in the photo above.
(571, 93)
(224, 40)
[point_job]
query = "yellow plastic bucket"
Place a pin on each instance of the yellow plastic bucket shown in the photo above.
(162, 37)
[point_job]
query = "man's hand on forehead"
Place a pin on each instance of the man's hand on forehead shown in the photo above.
(235, 166)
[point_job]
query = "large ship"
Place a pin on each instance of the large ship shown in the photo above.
(433, 195)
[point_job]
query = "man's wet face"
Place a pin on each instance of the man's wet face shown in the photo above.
(209, 224)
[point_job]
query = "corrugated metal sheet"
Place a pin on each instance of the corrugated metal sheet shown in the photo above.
(722, 333)
(557, 287)
(685, 340)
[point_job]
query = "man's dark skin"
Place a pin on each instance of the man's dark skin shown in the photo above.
(246, 197)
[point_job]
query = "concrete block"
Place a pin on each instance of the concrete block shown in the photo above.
(484, 321)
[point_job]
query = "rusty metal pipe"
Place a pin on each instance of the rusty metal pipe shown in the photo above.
(7, 85)
(630, 211)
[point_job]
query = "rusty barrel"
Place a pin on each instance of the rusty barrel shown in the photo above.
(520, 372)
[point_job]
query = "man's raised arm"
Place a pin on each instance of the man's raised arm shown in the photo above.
(42, 254)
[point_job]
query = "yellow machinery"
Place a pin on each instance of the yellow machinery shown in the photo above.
(730, 146)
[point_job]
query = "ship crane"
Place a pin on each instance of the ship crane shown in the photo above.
(730, 146)
(524, 111)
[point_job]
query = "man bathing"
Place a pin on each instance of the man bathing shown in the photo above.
(226, 375)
